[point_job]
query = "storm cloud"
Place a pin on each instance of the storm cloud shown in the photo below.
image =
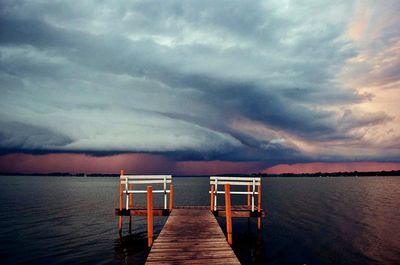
(225, 80)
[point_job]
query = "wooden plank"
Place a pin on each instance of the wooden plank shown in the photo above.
(240, 211)
(224, 261)
(188, 243)
(191, 236)
(190, 248)
(240, 214)
(141, 212)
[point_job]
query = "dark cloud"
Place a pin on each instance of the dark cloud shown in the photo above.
(350, 121)
(20, 136)
(172, 78)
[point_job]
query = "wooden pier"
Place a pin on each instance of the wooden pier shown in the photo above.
(191, 236)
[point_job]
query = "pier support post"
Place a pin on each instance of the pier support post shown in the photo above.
(130, 196)
(130, 207)
(171, 197)
(150, 215)
(120, 201)
(228, 212)
(248, 195)
(212, 198)
(259, 207)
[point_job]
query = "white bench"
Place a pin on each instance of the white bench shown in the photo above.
(250, 182)
(126, 180)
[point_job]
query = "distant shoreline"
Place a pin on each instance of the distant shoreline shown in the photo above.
(391, 173)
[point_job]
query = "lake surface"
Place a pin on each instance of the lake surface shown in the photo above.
(70, 220)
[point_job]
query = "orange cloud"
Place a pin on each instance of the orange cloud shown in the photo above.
(359, 24)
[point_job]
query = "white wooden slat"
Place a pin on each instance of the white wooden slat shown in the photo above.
(235, 178)
(131, 180)
(145, 191)
(241, 183)
(147, 181)
(235, 192)
(145, 176)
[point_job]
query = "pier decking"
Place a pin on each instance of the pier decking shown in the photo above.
(191, 236)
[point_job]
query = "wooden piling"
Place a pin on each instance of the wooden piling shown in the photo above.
(171, 197)
(259, 207)
(212, 198)
(130, 196)
(120, 199)
(150, 215)
(228, 213)
(248, 196)
(130, 206)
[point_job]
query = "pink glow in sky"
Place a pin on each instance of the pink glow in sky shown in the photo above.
(332, 167)
(80, 163)
(156, 164)
(131, 163)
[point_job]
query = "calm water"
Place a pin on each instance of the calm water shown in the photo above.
(55, 220)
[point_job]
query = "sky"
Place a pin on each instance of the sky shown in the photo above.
(199, 87)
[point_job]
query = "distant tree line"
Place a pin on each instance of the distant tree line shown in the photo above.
(62, 174)
(317, 174)
(339, 174)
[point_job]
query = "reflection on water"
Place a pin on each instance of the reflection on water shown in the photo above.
(377, 218)
(249, 246)
(131, 249)
(309, 221)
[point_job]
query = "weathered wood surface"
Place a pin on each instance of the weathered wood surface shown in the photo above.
(237, 211)
(142, 211)
(191, 236)
(240, 211)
